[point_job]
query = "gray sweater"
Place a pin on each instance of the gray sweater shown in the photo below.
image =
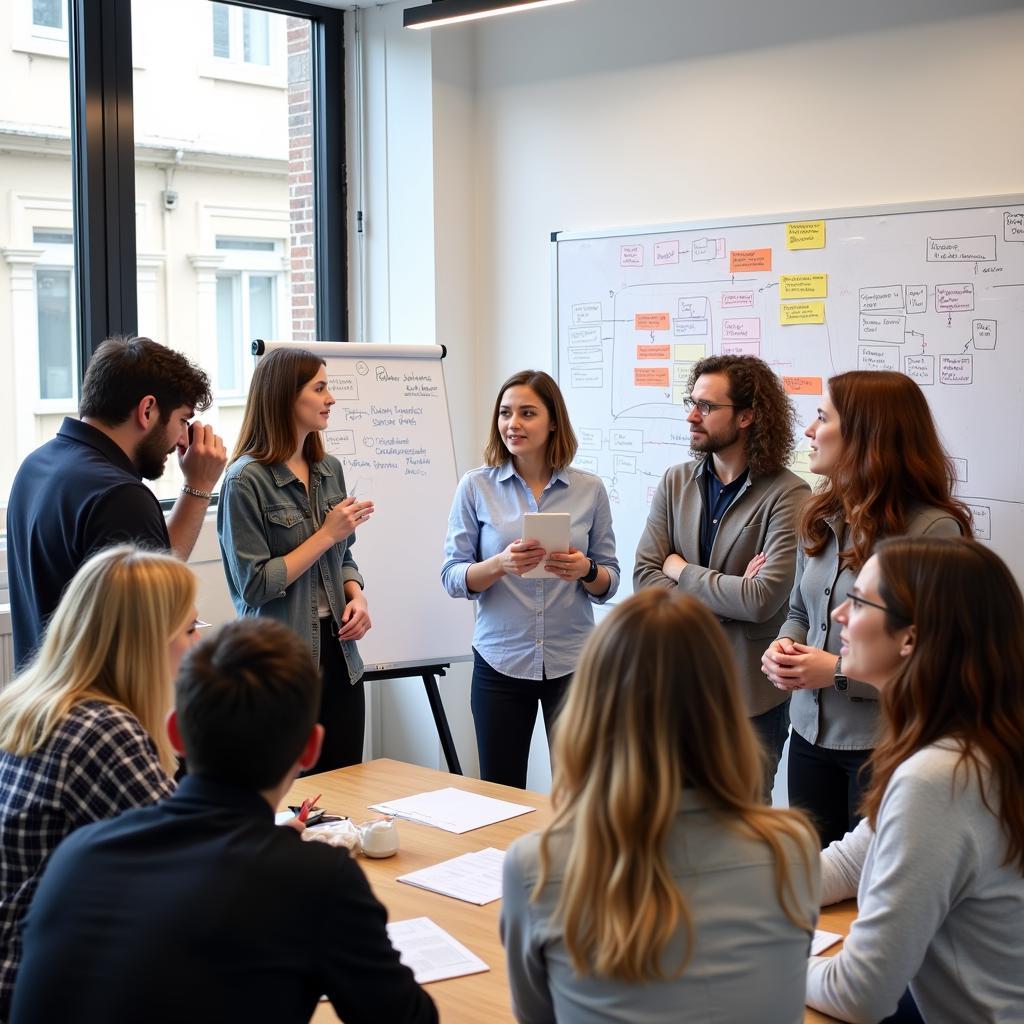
(937, 907)
(748, 962)
(826, 717)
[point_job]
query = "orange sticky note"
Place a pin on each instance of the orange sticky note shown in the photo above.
(654, 351)
(802, 385)
(650, 322)
(650, 376)
(750, 259)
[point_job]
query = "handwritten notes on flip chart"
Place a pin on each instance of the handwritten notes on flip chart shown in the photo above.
(802, 385)
(803, 286)
(749, 259)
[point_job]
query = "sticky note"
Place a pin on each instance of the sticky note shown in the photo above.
(805, 234)
(650, 376)
(803, 286)
(688, 353)
(802, 385)
(650, 322)
(679, 393)
(654, 351)
(750, 259)
(741, 328)
(801, 313)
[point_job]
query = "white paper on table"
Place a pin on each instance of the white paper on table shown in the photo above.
(430, 952)
(822, 940)
(473, 877)
(454, 810)
(551, 530)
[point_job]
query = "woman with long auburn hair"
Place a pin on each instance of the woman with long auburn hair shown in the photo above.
(82, 733)
(529, 630)
(286, 527)
(663, 889)
(937, 863)
(884, 473)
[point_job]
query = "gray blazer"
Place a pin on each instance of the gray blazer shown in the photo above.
(832, 719)
(762, 518)
(749, 960)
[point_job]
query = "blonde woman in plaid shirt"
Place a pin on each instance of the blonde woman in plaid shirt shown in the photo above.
(82, 728)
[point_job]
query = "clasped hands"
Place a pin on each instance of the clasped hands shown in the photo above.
(523, 555)
(794, 666)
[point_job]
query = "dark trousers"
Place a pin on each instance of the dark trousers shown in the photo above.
(828, 785)
(772, 728)
(504, 713)
(342, 706)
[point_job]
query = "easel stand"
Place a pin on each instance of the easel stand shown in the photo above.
(429, 674)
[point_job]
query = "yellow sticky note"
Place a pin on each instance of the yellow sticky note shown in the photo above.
(801, 313)
(803, 286)
(805, 234)
(679, 392)
(688, 353)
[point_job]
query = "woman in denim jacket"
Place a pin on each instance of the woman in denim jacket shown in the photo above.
(286, 530)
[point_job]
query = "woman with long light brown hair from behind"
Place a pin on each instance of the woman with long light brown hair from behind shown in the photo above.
(663, 888)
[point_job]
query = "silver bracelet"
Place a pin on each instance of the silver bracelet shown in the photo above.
(195, 492)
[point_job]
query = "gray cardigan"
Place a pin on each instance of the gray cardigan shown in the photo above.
(762, 518)
(749, 960)
(937, 907)
(827, 717)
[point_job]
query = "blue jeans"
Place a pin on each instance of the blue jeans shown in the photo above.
(504, 713)
(772, 728)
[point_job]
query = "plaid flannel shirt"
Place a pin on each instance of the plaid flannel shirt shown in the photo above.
(98, 762)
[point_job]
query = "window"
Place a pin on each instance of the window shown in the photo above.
(240, 34)
(55, 318)
(48, 14)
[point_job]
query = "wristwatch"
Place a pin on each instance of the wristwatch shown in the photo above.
(840, 681)
(591, 574)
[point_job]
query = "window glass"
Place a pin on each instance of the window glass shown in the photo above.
(38, 338)
(223, 125)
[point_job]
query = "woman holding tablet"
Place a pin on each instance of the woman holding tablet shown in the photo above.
(529, 632)
(884, 474)
(663, 889)
(82, 733)
(937, 862)
(286, 529)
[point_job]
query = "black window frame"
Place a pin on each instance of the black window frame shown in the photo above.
(103, 166)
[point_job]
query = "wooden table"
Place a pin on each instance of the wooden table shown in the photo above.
(478, 997)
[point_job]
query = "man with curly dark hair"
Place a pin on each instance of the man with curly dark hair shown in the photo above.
(83, 490)
(722, 527)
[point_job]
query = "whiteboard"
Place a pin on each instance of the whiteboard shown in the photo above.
(390, 430)
(934, 290)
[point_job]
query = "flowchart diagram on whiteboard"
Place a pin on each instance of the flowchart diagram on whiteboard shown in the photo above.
(935, 291)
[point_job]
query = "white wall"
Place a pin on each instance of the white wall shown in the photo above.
(605, 113)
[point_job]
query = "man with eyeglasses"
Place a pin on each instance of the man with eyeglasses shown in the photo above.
(723, 527)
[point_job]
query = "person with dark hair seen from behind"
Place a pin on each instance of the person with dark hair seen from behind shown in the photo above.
(287, 526)
(721, 528)
(663, 889)
(83, 490)
(529, 632)
(884, 473)
(200, 908)
(937, 861)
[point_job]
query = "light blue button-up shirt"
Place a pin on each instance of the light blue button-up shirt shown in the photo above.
(528, 628)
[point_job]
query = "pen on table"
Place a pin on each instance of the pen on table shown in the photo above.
(307, 806)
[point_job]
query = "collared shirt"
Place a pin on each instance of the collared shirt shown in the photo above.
(98, 762)
(265, 513)
(77, 494)
(717, 499)
(528, 628)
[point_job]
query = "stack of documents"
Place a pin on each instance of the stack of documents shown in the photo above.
(822, 940)
(473, 877)
(452, 809)
(430, 952)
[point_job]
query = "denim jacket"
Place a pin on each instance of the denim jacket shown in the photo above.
(263, 514)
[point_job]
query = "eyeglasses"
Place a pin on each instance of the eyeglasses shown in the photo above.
(704, 408)
(859, 602)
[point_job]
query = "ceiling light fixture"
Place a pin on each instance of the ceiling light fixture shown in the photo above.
(450, 12)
